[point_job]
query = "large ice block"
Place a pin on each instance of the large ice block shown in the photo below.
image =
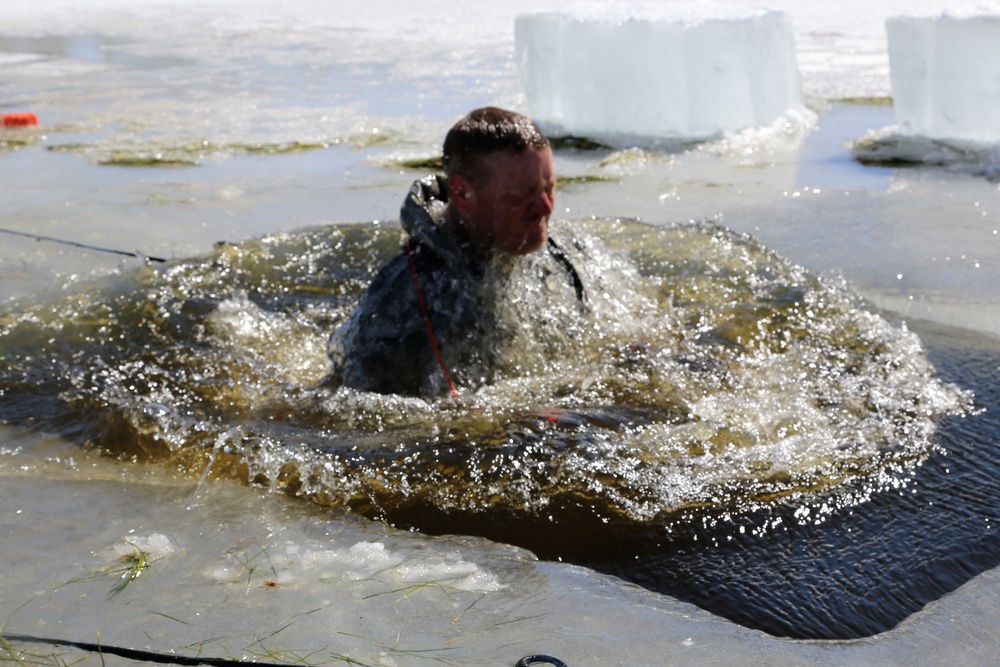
(645, 70)
(945, 73)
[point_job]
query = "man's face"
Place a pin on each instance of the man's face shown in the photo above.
(508, 212)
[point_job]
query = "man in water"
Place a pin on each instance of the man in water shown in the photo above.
(428, 321)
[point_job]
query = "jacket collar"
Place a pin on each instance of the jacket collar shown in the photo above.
(423, 218)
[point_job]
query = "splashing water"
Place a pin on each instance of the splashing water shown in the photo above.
(708, 375)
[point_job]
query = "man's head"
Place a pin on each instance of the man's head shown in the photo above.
(500, 180)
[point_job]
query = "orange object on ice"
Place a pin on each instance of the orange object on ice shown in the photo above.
(19, 119)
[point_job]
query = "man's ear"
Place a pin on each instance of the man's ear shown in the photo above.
(461, 193)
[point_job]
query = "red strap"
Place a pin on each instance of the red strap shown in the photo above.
(427, 320)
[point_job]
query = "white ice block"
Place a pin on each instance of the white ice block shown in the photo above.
(945, 73)
(636, 70)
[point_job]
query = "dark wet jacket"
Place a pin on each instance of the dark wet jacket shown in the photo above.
(386, 347)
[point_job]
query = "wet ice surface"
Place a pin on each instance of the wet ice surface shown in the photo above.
(921, 243)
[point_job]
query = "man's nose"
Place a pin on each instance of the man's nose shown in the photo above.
(544, 204)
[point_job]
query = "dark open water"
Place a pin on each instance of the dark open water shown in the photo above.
(859, 570)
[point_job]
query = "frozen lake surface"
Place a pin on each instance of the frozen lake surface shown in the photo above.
(166, 129)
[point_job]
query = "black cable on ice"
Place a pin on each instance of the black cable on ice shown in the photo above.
(39, 237)
(136, 654)
(195, 661)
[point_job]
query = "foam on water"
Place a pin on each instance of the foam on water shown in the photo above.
(296, 562)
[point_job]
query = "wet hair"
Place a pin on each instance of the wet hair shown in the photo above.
(484, 131)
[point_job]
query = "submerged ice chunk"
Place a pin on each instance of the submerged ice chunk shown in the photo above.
(945, 73)
(646, 70)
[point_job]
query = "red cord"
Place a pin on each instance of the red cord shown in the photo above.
(427, 320)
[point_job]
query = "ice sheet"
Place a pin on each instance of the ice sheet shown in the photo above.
(944, 79)
(657, 74)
